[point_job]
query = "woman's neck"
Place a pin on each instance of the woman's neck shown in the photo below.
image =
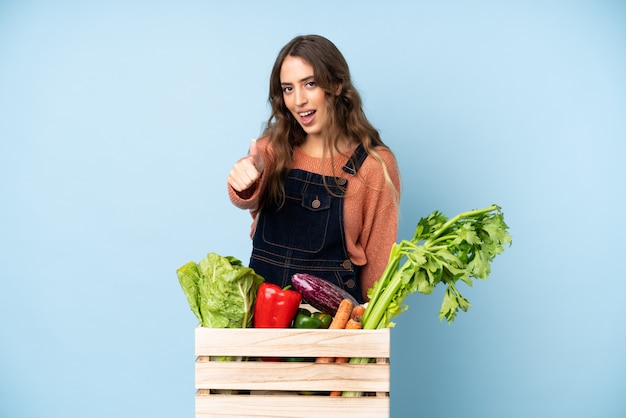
(314, 147)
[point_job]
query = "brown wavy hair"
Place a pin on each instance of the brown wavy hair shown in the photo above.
(346, 116)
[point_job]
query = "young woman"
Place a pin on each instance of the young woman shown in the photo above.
(322, 187)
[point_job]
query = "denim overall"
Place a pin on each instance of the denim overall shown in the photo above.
(306, 235)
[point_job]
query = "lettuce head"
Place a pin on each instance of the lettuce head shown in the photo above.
(220, 290)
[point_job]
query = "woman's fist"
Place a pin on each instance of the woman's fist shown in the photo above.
(247, 170)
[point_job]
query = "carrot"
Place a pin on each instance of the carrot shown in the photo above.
(342, 360)
(343, 315)
(353, 324)
(339, 321)
(339, 360)
(348, 317)
(357, 312)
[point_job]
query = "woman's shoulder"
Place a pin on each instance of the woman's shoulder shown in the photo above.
(381, 166)
(385, 151)
(381, 152)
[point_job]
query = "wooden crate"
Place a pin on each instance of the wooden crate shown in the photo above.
(274, 389)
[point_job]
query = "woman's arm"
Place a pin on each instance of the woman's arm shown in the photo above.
(380, 219)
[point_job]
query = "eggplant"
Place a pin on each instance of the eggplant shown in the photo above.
(319, 293)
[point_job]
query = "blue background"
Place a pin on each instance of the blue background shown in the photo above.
(119, 122)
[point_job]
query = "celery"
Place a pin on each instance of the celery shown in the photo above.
(441, 251)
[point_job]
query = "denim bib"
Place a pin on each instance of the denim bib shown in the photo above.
(306, 234)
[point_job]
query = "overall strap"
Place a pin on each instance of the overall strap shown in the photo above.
(356, 160)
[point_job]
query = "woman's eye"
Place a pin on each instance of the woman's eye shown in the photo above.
(311, 84)
(287, 89)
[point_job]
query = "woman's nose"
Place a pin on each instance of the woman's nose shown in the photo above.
(301, 98)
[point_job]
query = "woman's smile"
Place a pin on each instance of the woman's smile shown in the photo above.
(306, 118)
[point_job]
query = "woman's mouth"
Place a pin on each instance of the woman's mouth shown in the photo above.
(306, 117)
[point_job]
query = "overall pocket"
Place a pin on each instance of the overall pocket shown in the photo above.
(301, 224)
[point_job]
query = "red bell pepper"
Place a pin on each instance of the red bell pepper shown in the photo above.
(275, 307)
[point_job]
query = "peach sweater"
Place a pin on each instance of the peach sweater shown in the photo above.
(371, 215)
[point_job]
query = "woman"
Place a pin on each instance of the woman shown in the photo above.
(322, 187)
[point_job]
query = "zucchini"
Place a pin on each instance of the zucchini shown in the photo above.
(319, 293)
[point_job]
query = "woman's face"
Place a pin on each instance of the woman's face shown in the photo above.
(303, 97)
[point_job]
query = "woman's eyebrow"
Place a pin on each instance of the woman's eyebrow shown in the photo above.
(305, 79)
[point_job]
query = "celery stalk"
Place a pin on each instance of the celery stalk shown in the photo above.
(441, 251)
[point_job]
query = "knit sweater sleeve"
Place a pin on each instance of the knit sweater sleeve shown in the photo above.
(370, 242)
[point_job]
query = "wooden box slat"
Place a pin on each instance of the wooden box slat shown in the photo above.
(278, 406)
(259, 375)
(256, 342)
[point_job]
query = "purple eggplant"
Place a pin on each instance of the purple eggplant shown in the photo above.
(319, 293)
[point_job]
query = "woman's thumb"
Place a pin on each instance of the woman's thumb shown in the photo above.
(255, 155)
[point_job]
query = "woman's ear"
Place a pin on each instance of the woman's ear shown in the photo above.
(338, 89)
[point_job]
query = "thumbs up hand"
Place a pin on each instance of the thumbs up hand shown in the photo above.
(257, 160)
(247, 170)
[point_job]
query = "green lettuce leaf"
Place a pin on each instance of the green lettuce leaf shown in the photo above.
(220, 291)
(189, 277)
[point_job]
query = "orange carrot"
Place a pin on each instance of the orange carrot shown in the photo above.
(351, 324)
(354, 324)
(340, 360)
(339, 321)
(357, 312)
(342, 316)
